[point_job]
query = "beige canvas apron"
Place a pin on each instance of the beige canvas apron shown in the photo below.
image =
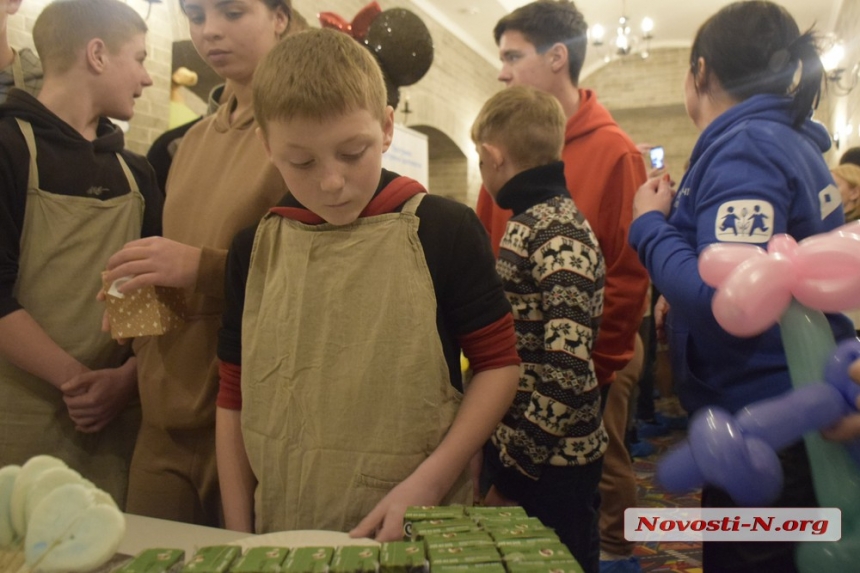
(17, 71)
(336, 416)
(65, 243)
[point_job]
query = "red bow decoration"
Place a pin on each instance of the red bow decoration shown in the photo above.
(359, 25)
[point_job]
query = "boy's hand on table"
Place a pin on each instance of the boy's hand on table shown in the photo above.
(385, 521)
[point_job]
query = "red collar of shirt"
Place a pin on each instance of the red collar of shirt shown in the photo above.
(387, 200)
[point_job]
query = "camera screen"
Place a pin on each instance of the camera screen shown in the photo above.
(657, 155)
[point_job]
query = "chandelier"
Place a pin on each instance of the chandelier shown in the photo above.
(625, 41)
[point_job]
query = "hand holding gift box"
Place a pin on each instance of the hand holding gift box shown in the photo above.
(151, 310)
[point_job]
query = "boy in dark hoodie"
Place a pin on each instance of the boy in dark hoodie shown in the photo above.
(70, 196)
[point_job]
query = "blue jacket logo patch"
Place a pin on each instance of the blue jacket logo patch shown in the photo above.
(746, 221)
(830, 200)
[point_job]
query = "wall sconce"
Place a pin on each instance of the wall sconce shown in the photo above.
(406, 109)
(842, 134)
(839, 78)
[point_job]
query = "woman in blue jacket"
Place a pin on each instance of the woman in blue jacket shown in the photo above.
(756, 170)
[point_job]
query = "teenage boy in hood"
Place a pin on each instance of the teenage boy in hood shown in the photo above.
(70, 196)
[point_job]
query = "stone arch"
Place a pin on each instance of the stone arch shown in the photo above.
(448, 165)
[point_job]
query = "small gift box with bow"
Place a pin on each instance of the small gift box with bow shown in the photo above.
(148, 311)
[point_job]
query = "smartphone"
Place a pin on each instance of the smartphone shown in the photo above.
(657, 157)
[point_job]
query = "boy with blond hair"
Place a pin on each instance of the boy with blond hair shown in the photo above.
(546, 455)
(347, 308)
(71, 196)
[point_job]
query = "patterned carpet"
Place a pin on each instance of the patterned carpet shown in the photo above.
(665, 557)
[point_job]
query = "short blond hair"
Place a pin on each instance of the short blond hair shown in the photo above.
(317, 74)
(849, 173)
(528, 123)
(65, 27)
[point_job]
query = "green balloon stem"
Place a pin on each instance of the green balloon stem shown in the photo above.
(808, 341)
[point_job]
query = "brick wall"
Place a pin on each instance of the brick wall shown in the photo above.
(151, 110)
(646, 98)
(448, 177)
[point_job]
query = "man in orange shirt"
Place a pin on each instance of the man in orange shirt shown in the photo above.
(543, 45)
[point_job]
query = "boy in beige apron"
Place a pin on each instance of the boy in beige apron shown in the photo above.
(346, 310)
(72, 196)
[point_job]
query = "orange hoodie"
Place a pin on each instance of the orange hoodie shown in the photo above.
(603, 170)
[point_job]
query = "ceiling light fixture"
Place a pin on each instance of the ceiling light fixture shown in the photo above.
(625, 42)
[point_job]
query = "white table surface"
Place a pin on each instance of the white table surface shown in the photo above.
(147, 532)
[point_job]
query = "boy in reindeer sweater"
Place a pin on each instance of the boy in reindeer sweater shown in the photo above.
(547, 453)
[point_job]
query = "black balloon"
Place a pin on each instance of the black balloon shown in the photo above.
(402, 45)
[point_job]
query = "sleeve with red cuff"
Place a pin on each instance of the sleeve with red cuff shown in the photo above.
(493, 346)
(230, 390)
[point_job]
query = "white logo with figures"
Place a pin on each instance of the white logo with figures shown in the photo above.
(830, 200)
(747, 221)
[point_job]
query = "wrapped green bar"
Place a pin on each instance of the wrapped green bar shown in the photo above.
(554, 567)
(459, 555)
(478, 567)
(355, 559)
(427, 512)
(489, 512)
(518, 538)
(261, 560)
(421, 529)
(537, 552)
(513, 523)
(504, 537)
(402, 557)
(419, 513)
(459, 539)
(156, 560)
(213, 559)
(308, 560)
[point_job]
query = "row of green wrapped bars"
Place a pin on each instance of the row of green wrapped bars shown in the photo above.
(438, 539)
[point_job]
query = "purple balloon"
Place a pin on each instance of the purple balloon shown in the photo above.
(718, 453)
(782, 421)
(836, 371)
(738, 453)
(745, 467)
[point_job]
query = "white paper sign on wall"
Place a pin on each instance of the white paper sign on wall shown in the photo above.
(408, 155)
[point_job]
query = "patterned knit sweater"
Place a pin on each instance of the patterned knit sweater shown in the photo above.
(553, 274)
